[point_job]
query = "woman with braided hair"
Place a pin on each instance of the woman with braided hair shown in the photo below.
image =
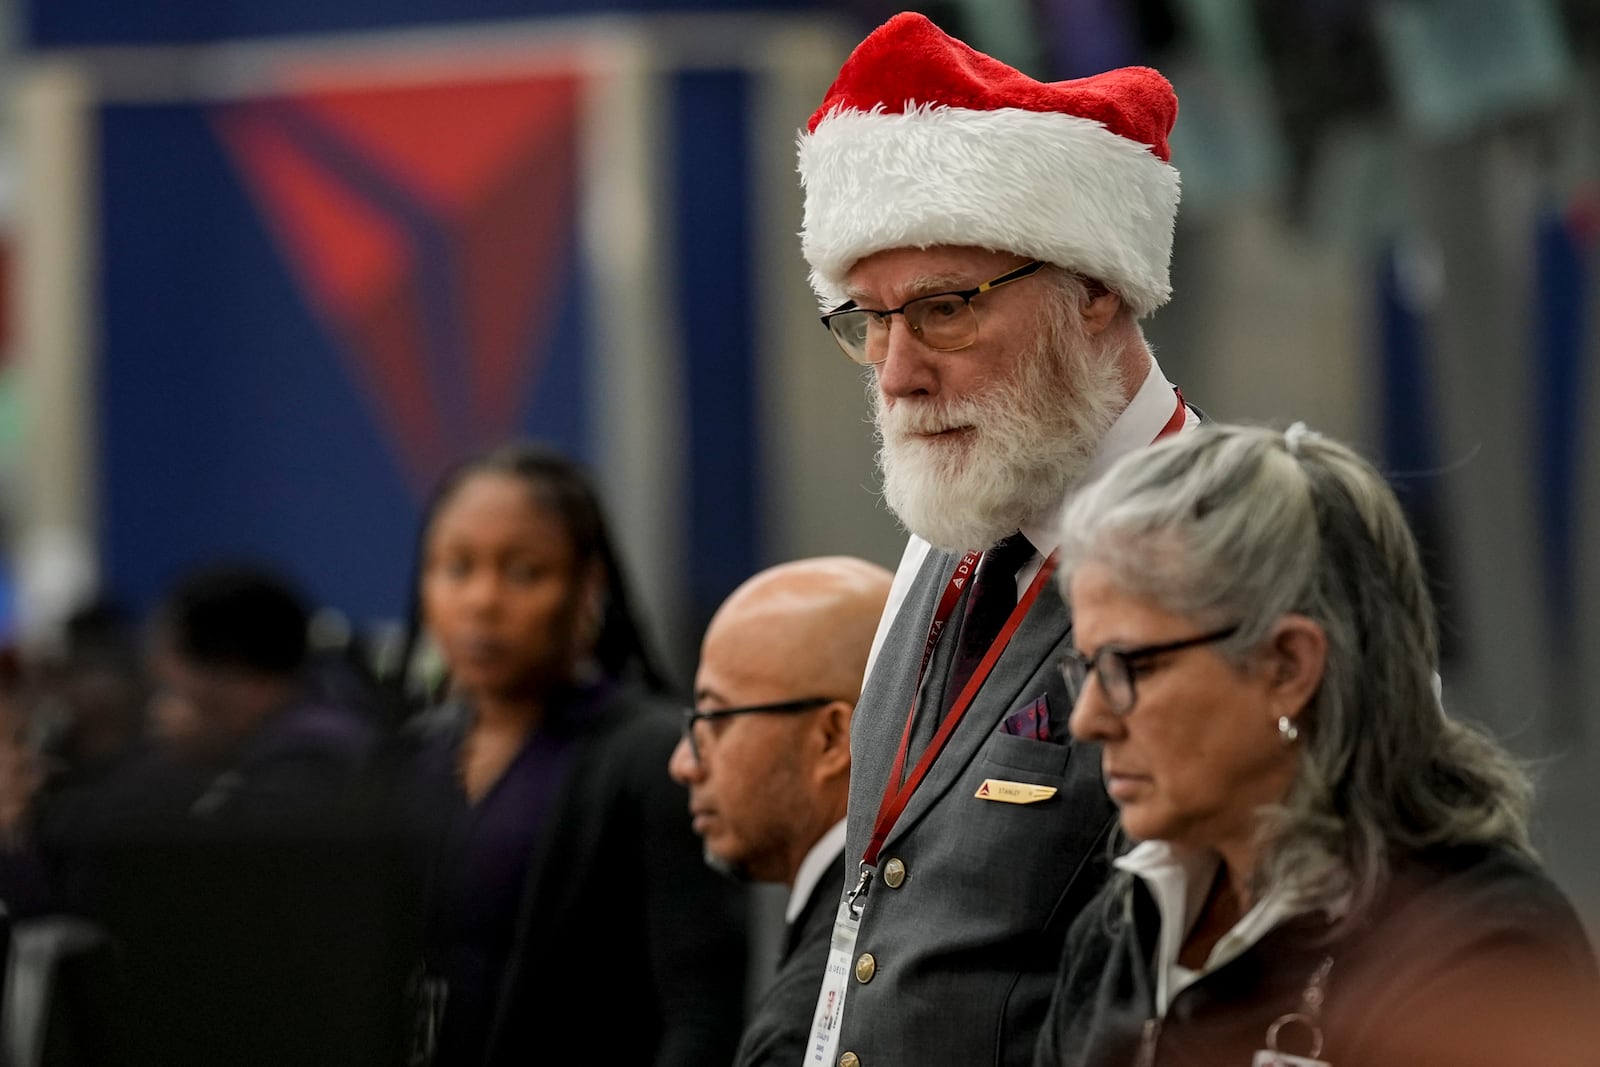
(570, 915)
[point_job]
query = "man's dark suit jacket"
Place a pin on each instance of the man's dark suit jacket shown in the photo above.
(776, 1036)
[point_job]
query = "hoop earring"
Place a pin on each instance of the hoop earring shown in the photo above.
(1288, 730)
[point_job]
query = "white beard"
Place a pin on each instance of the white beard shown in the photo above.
(1032, 440)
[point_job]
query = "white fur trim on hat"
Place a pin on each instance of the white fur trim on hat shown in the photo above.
(1050, 186)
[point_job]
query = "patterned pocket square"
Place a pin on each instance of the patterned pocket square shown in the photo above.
(1032, 722)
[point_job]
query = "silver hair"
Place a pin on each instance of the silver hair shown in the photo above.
(1235, 524)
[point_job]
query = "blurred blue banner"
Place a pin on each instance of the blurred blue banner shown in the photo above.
(79, 23)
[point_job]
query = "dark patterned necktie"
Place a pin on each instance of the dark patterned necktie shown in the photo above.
(989, 604)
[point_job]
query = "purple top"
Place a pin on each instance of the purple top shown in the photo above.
(481, 862)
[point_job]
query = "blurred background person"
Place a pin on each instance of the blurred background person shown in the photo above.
(1328, 865)
(765, 755)
(207, 895)
(76, 725)
(23, 888)
(251, 923)
(90, 713)
(73, 734)
(569, 912)
(73, 740)
(229, 659)
(87, 708)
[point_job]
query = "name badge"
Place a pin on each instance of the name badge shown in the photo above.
(824, 1043)
(1014, 792)
(1268, 1058)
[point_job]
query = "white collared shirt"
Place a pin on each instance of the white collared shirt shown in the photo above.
(813, 869)
(1180, 881)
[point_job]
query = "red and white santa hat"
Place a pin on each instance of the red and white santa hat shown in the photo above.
(925, 141)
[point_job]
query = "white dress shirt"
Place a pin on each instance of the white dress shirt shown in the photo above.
(1180, 881)
(814, 870)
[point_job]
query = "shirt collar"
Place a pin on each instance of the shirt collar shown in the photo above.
(1179, 881)
(1141, 421)
(812, 868)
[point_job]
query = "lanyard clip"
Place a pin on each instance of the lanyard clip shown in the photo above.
(859, 892)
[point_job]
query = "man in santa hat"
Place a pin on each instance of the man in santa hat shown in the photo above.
(986, 243)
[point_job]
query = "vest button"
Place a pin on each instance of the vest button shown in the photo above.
(849, 1059)
(894, 873)
(866, 967)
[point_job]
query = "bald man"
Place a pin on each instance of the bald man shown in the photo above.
(766, 758)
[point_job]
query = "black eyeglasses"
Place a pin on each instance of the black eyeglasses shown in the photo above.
(1115, 667)
(944, 322)
(787, 707)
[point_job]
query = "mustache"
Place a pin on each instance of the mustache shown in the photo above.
(907, 418)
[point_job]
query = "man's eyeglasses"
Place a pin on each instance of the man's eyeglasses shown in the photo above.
(788, 707)
(1115, 668)
(944, 322)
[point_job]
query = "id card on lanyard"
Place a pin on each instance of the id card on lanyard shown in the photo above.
(824, 1042)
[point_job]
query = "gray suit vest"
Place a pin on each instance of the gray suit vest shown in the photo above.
(966, 948)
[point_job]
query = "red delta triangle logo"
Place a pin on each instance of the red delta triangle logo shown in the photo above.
(429, 228)
(983, 790)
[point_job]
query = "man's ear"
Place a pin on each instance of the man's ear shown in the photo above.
(832, 726)
(1100, 311)
(1296, 659)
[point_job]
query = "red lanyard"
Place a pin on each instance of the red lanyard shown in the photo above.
(1179, 417)
(896, 797)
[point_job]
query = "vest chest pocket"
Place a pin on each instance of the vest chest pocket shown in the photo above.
(1017, 829)
(1026, 754)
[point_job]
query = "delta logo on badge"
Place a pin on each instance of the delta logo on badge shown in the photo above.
(430, 229)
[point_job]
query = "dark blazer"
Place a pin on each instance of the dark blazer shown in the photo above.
(628, 948)
(298, 769)
(967, 946)
(777, 1034)
(1471, 958)
(248, 920)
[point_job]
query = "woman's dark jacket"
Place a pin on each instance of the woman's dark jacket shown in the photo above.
(624, 947)
(1470, 958)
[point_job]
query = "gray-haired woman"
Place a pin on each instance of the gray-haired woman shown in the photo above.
(1329, 869)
